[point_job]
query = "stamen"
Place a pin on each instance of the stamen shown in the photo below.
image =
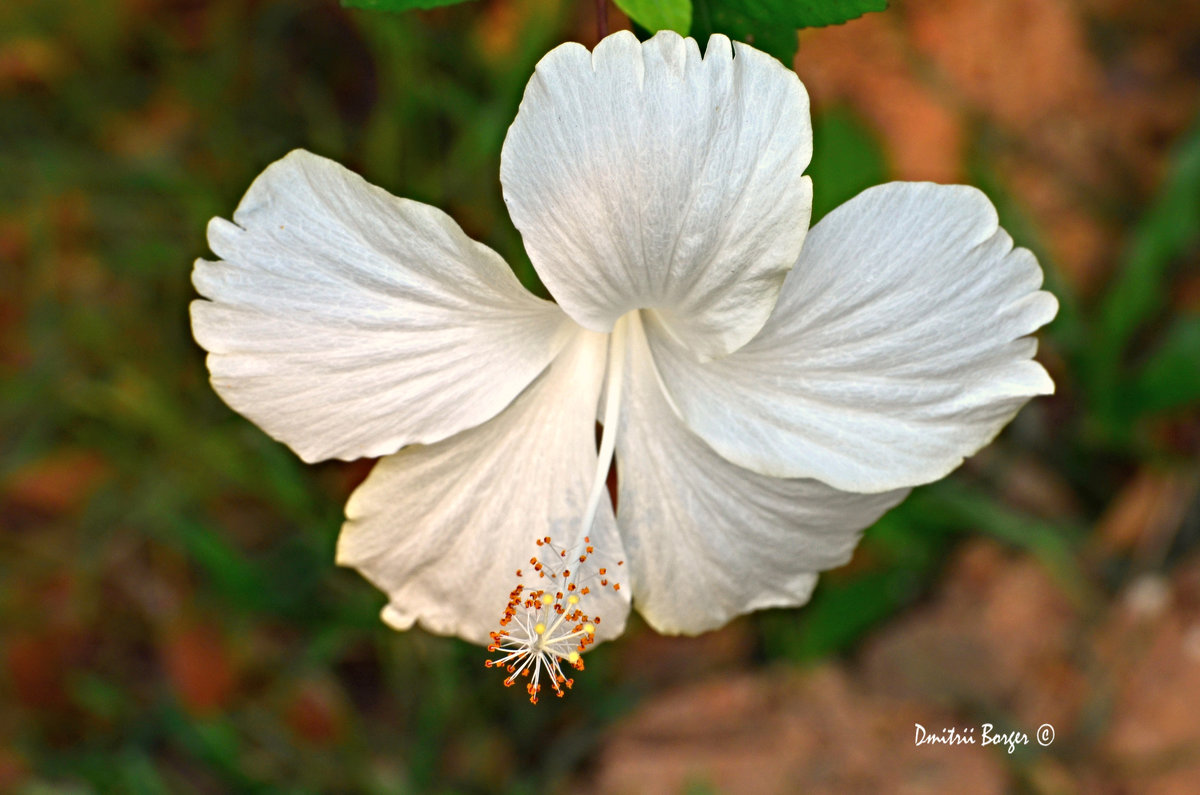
(541, 630)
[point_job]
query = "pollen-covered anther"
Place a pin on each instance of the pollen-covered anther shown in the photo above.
(544, 631)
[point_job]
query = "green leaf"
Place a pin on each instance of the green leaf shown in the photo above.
(1171, 378)
(398, 5)
(770, 25)
(726, 16)
(815, 13)
(840, 614)
(847, 159)
(959, 508)
(656, 15)
(1168, 230)
(1163, 239)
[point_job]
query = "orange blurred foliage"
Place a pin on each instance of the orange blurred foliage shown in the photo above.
(199, 667)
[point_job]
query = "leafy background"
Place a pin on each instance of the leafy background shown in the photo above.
(170, 616)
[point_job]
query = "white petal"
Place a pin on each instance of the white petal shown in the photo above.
(642, 175)
(708, 540)
(347, 322)
(443, 528)
(897, 348)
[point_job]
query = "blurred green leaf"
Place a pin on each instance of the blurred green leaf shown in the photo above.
(1171, 378)
(212, 740)
(897, 555)
(957, 508)
(1168, 229)
(230, 573)
(655, 15)
(770, 25)
(847, 159)
(138, 775)
(841, 612)
(398, 5)
(1166, 234)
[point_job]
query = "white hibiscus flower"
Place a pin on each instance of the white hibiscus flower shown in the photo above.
(768, 391)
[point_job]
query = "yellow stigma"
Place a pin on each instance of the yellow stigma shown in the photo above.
(572, 599)
(540, 628)
(573, 657)
(547, 598)
(589, 628)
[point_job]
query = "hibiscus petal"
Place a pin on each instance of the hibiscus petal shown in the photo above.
(897, 347)
(642, 175)
(347, 322)
(442, 528)
(708, 540)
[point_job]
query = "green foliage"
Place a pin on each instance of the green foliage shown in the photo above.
(398, 5)
(1170, 379)
(655, 15)
(809, 13)
(1168, 230)
(1109, 350)
(904, 549)
(770, 25)
(847, 159)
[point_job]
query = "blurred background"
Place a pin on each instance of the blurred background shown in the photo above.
(171, 620)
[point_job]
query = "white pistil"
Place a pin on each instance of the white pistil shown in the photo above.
(612, 415)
